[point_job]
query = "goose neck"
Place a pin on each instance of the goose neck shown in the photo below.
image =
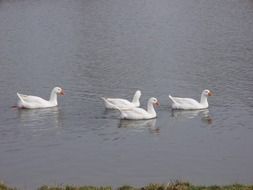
(151, 109)
(53, 97)
(203, 100)
(136, 100)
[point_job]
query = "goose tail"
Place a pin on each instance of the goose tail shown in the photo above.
(172, 99)
(20, 97)
(103, 98)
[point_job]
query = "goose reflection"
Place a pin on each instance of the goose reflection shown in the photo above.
(190, 114)
(40, 117)
(140, 124)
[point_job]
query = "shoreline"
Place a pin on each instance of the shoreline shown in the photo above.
(177, 185)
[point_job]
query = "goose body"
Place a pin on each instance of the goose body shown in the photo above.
(115, 103)
(189, 103)
(139, 113)
(32, 102)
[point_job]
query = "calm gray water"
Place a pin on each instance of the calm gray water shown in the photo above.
(111, 48)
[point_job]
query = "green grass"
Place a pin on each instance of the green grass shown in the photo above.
(177, 185)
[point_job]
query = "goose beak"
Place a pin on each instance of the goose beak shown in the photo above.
(157, 104)
(210, 93)
(62, 93)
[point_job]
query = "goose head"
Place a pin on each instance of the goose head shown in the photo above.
(203, 98)
(207, 93)
(138, 94)
(154, 101)
(58, 90)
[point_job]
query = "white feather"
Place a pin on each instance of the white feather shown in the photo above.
(189, 103)
(32, 102)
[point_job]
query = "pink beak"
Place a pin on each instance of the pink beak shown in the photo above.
(61, 93)
(157, 104)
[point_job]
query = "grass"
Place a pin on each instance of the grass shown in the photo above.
(177, 185)
(5, 187)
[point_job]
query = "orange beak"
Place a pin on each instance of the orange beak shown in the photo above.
(210, 93)
(61, 93)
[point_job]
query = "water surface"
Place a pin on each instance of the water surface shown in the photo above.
(112, 48)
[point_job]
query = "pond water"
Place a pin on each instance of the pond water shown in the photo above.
(112, 48)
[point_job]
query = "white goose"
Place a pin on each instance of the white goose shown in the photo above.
(32, 102)
(189, 103)
(139, 113)
(118, 103)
